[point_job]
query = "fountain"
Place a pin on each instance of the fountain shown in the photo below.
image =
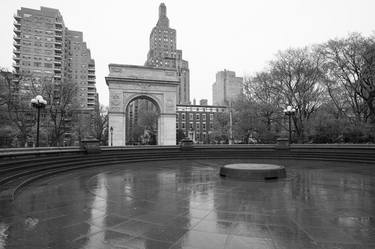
(253, 171)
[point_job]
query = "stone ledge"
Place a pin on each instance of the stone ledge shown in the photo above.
(253, 171)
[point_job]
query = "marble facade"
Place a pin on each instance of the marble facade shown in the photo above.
(127, 83)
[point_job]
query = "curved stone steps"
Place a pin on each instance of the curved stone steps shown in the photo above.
(17, 173)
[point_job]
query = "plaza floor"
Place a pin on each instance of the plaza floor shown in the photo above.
(187, 205)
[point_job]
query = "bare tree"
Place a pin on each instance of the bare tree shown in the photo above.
(60, 107)
(265, 101)
(101, 123)
(367, 79)
(221, 127)
(15, 101)
(298, 78)
(350, 65)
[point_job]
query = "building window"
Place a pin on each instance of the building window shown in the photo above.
(197, 126)
(190, 116)
(191, 126)
(176, 116)
(211, 126)
(183, 126)
(183, 116)
(176, 125)
(204, 126)
(203, 116)
(211, 116)
(197, 116)
(38, 44)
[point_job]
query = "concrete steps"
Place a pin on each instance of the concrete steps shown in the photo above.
(18, 170)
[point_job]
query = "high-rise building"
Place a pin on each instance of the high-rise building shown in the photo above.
(81, 69)
(164, 53)
(45, 48)
(226, 88)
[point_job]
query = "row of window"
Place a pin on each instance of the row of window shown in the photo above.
(166, 31)
(36, 64)
(39, 38)
(28, 16)
(200, 109)
(37, 44)
(165, 39)
(197, 116)
(30, 24)
(28, 71)
(36, 50)
(159, 45)
(191, 126)
(29, 57)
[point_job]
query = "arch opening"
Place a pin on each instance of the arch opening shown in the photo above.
(142, 121)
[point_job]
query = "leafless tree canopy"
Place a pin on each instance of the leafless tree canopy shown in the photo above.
(334, 80)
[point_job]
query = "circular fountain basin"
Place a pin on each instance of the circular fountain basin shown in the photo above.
(253, 171)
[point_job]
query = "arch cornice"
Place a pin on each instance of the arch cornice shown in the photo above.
(143, 81)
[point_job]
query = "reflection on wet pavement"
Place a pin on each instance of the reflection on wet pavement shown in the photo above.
(185, 204)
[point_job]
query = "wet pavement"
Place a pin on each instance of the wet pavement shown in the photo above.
(186, 205)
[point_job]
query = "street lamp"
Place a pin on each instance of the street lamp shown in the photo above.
(289, 111)
(111, 130)
(230, 140)
(38, 102)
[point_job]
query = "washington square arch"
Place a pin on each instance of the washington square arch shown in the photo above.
(127, 83)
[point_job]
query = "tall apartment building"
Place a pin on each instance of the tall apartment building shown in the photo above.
(45, 48)
(81, 69)
(226, 88)
(164, 53)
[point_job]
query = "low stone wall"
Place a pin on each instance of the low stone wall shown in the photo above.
(356, 152)
(37, 152)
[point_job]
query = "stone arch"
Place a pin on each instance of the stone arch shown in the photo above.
(127, 83)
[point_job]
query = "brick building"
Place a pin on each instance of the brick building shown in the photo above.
(197, 121)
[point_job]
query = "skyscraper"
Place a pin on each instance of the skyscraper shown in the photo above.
(226, 87)
(164, 53)
(45, 48)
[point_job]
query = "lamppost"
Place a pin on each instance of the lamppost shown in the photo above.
(230, 141)
(38, 102)
(289, 111)
(111, 130)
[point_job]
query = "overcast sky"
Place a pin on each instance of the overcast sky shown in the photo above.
(239, 35)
